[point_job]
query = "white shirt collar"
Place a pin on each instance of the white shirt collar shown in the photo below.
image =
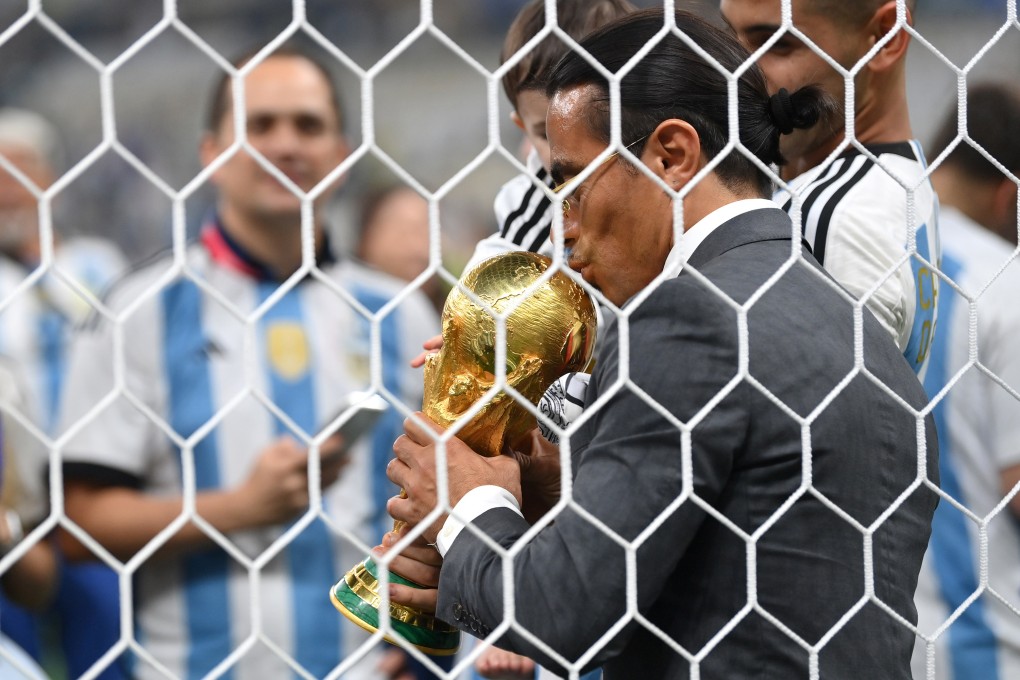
(693, 237)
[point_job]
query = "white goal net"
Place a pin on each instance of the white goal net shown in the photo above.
(201, 357)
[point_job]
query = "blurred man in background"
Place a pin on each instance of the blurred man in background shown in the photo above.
(191, 362)
(978, 419)
(35, 333)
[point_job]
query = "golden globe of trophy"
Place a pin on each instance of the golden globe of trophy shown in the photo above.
(549, 333)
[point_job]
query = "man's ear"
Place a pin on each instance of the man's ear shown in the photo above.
(209, 148)
(1004, 208)
(883, 22)
(676, 150)
(517, 120)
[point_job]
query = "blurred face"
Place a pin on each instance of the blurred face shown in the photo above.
(397, 240)
(532, 106)
(292, 122)
(619, 226)
(792, 64)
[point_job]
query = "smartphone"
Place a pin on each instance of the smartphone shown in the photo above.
(369, 407)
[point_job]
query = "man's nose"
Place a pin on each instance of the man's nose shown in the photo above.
(283, 140)
(571, 228)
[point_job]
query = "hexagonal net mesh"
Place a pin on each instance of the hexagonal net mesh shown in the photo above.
(747, 481)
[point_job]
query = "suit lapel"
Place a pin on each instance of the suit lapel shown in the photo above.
(769, 224)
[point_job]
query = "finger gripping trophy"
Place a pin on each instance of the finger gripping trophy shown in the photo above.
(549, 332)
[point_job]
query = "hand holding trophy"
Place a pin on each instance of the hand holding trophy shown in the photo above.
(549, 333)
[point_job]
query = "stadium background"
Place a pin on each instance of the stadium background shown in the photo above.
(430, 106)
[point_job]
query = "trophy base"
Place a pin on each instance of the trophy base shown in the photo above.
(356, 596)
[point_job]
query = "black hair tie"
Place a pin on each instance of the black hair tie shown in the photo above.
(781, 109)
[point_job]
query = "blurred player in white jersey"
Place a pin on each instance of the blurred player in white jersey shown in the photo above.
(245, 391)
(34, 333)
(861, 217)
(978, 419)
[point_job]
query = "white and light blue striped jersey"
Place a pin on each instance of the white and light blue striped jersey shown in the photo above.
(20, 311)
(856, 214)
(191, 360)
(978, 425)
(35, 328)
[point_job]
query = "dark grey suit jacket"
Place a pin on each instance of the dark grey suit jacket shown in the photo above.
(750, 547)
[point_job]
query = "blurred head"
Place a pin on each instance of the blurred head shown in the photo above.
(394, 235)
(525, 82)
(966, 179)
(843, 29)
(31, 144)
(618, 223)
(293, 118)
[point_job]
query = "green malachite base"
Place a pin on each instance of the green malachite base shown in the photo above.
(356, 596)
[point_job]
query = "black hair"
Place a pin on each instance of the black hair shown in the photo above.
(220, 100)
(993, 118)
(852, 14)
(673, 81)
(577, 18)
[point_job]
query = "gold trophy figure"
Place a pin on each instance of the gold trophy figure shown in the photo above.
(550, 332)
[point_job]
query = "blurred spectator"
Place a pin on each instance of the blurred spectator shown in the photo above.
(31, 582)
(394, 237)
(978, 420)
(38, 328)
(191, 361)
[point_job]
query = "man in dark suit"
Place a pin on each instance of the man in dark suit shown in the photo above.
(749, 481)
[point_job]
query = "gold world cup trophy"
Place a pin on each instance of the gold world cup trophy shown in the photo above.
(550, 333)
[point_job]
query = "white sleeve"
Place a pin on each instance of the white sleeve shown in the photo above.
(523, 215)
(864, 243)
(23, 456)
(998, 330)
(490, 246)
(118, 435)
(479, 500)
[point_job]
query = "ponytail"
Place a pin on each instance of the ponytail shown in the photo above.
(788, 112)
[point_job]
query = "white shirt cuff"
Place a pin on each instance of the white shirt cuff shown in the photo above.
(475, 502)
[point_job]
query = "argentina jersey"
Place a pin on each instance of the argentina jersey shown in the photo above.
(20, 330)
(224, 363)
(865, 221)
(978, 423)
(26, 338)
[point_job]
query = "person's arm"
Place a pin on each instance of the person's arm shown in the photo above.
(1010, 477)
(570, 580)
(31, 582)
(124, 519)
(998, 326)
(991, 422)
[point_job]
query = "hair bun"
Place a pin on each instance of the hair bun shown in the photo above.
(781, 111)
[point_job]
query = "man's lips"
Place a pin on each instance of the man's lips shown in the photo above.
(299, 178)
(581, 267)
